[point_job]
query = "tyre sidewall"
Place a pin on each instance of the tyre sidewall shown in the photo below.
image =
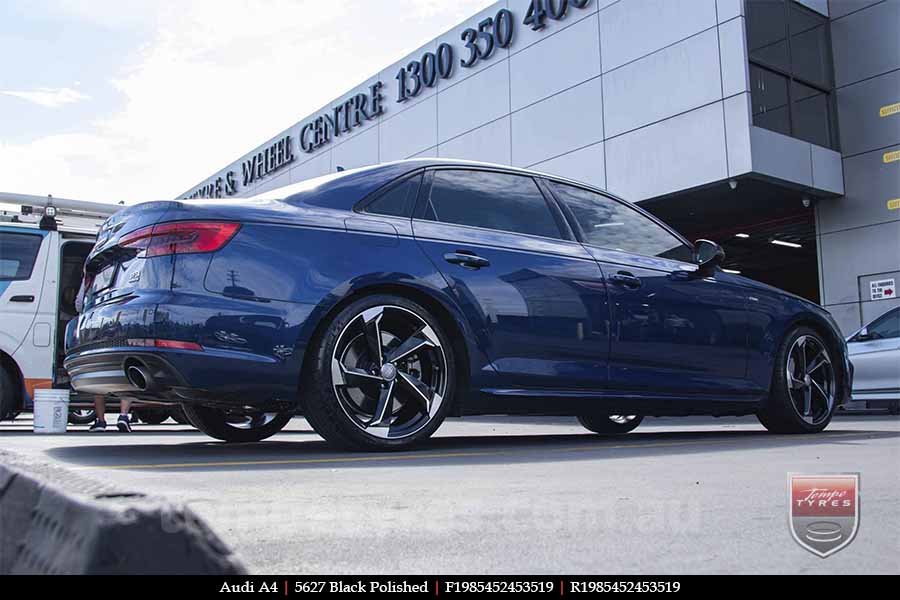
(322, 408)
(603, 425)
(9, 395)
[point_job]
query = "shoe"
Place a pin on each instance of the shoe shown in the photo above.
(99, 426)
(124, 424)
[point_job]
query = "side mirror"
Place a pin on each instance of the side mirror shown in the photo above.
(862, 335)
(708, 254)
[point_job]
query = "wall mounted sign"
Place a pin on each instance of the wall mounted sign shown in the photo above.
(894, 204)
(890, 157)
(884, 289)
(477, 44)
(890, 109)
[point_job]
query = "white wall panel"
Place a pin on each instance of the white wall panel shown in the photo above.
(572, 119)
(409, 132)
(676, 154)
(585, 165)
(477, 100)
(631, 29)
(489, 143)
(558, 62)
(672, 81)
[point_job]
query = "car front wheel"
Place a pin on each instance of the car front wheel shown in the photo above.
(382, 376)
(610, 424)
(235, 428)
(804, 385)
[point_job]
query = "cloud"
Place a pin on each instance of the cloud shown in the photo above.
(48, 97)
(219, 78)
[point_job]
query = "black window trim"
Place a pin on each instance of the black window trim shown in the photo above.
(33, 263)
(579, 232)
(833, 131)
(565, 232)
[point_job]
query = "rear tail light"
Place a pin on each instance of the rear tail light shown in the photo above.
(185, 237)
(166, 344)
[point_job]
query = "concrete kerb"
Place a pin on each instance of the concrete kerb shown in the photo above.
(46, 529)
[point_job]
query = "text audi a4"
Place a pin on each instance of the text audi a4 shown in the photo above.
(381, 300)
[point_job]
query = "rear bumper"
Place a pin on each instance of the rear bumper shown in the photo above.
(209, 378)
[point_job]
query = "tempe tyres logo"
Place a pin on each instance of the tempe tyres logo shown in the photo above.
(824, 511)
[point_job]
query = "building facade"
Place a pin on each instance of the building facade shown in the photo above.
(770, 126)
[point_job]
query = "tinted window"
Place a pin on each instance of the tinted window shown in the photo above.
(490, 200)
(17, 255)
(886, 327)
(399, 201)
(609, 224)
(791, 70)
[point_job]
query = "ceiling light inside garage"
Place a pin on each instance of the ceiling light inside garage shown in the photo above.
(786, 244)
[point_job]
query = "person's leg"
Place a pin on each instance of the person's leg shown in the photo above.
(99, 414)
(124, 423)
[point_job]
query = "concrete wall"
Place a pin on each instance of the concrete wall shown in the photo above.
(643, 97)
(858, 235)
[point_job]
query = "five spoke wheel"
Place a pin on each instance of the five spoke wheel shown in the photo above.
(810, 378)
(389, 372)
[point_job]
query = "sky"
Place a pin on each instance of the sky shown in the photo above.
(138, 100)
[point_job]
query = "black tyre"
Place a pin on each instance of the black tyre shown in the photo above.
(381, 376)
(610, 424)
(82, 416)
(229, 428)
(804, 385)
(178, 416)
(152, 416)
(10, 401)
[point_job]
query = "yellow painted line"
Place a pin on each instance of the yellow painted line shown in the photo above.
(894, 204)
(890, 109)
(435, 456)
(890, 157)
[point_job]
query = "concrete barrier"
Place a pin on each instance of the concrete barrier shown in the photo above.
(45, 529)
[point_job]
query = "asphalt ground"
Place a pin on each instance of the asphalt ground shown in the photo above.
(507, 496)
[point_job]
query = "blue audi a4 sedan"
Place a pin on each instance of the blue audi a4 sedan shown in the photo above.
(379, 301)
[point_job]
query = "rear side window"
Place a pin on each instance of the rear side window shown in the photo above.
(398, 201)
(609, 224)
(490, 200)
(17, 255)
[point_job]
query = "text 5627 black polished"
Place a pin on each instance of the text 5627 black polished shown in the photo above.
(380, 301)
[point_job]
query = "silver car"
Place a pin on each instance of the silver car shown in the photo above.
(875, 354)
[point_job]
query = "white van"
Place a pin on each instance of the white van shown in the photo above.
(43, 247)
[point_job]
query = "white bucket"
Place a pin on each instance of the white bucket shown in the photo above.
(51, 411)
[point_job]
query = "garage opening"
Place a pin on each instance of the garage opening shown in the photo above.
(767, 232)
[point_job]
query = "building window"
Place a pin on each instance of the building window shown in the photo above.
(791, 71)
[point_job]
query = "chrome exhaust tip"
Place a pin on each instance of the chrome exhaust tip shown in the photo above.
(139, 377)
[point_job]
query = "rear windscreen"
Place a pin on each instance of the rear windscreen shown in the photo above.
(18, 251)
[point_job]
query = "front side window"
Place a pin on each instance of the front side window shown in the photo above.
(791, 71)
(609, 224)
(886, 327)
(490, 200)
(17, 255)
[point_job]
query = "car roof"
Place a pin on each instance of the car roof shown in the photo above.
(375, 176)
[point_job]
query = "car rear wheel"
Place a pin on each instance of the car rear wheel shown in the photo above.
(82, 416)
(382, 376)
(804, 385)
(229, 427)
(152, 416)
(610, 424)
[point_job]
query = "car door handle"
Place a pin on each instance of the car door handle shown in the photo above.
(626, 279)
(22, 299)
(466, 259)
